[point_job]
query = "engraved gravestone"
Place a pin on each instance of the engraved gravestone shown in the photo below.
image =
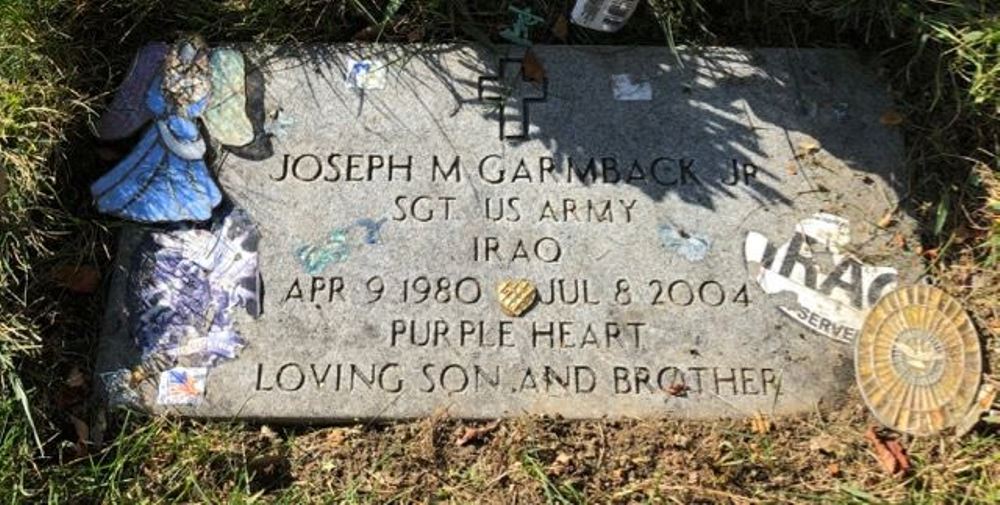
(701, 230)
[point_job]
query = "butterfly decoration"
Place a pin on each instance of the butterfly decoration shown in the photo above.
(186, 285)
(168, 89)
(333, 249)
(336, 246)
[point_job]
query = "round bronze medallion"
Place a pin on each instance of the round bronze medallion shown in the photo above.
(918, 360)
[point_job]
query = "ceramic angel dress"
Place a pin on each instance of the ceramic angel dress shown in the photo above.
(169, 89)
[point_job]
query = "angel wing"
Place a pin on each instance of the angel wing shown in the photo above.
(226, 117)
(128, 111)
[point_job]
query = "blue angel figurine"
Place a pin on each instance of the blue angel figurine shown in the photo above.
(165, 177)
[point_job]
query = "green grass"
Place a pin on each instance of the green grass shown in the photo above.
(58, 59)
(554, 490)
(969, 48)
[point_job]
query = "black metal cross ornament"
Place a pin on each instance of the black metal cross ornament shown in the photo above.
(518, 86)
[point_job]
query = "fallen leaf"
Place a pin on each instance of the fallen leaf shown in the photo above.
(76, 378)
(267, 433)
(416, 34)
(366, 34)
(889, 452)
(760, 424)
(898, 452)
(472, 434)
(137, 375)
(73, 391)
(561, 464)
(808, 146)
(561, 28)
(693, 478)
(337, 436)
(833, 469)
(891, 118)
(887, 219)
(962, 233)
(83, 279)
(680, 441)
(899, 241)
(826, 444)
(677, 389)
(269, 466)
(532, 69)
(792, 168)
(82, 430)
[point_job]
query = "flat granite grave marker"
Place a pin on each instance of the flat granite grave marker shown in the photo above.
(701, 229)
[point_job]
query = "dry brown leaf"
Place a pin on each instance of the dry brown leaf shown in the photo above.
(82, 430)
(891, 118)
(791, 168)
(76, 378)
(833, 469)
(532, 69)
(808, 147)
(887, 219)
(898, 452)
(472, 434)
(337, 436)
(680, 441)
(82, 279)
(416, 34)
(963, 233)
(826, 444)
(561, 464)
(889, 452)
(74, 390)
(366, 34)
(677, 389)
(138, 374)
(899, 241)
(760, 424)
(561, 28)
(267, 433)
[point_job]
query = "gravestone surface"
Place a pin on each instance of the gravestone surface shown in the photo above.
(702, 230)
